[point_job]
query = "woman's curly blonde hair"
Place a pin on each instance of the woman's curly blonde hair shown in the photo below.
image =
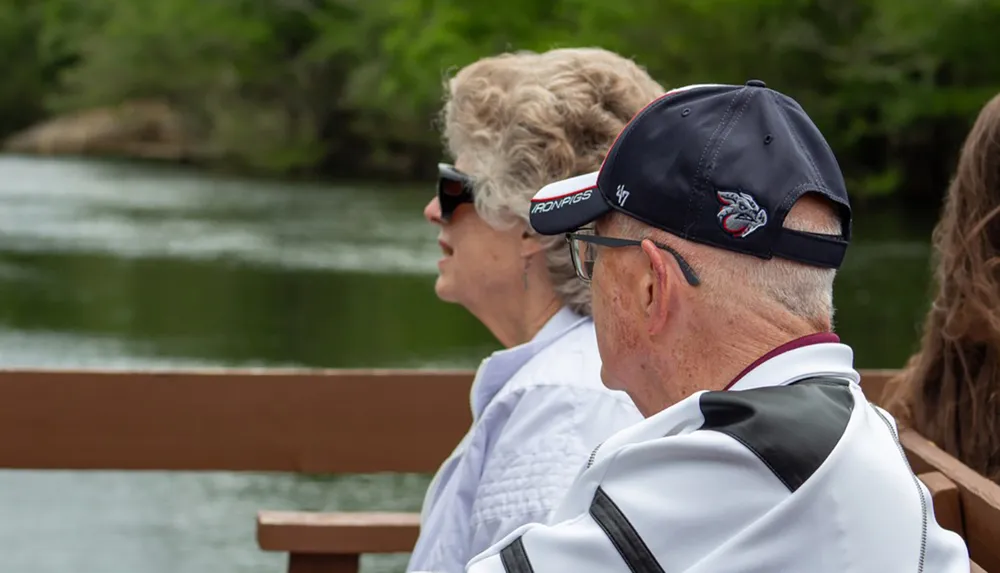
(525, 119)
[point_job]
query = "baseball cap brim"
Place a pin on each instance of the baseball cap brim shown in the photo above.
(567, 205)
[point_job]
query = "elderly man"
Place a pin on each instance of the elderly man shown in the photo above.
(712, 234)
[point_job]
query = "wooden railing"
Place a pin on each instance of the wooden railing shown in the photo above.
(341, 421)
(972, 506)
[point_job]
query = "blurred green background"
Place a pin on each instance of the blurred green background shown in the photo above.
(349, 87)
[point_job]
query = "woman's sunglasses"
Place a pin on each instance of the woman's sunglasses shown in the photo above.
(454, 188)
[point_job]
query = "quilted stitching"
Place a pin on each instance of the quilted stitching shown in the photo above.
(530, 479)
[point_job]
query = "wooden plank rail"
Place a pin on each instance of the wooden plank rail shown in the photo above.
(312, 421)
(341, 421)
(335, 421)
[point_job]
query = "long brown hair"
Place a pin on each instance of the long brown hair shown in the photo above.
(950, 389)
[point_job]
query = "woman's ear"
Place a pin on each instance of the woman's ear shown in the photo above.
(531, 245)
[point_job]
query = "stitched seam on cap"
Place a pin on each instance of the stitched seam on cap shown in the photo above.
(790, 197)
(729, 129)
(798, 139)
(699, 177)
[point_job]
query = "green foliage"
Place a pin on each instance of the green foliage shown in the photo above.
(352, 86)
(28, 74)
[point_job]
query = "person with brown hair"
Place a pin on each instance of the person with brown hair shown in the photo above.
(514, 123)
(949, 390)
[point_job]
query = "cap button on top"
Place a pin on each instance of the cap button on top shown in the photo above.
(756, 84)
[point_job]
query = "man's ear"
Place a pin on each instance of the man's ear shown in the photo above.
(530, 244)
(657, 287)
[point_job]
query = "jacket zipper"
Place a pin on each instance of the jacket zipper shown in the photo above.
(593, 455)
(916, 483)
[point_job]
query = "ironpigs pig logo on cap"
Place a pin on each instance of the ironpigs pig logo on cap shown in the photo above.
(740, 215)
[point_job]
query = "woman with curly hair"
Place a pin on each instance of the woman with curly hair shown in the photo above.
(514, 123)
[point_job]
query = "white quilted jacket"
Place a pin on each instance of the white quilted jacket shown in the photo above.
(539, 409)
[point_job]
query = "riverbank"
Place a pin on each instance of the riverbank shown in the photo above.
(152, 130)
(143, 129)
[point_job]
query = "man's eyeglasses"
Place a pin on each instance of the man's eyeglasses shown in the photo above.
(583, 246)
(454, 188)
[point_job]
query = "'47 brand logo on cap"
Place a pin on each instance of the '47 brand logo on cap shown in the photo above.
(622, 194)
(740, 215)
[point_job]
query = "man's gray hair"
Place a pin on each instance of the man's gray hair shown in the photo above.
(803, 290)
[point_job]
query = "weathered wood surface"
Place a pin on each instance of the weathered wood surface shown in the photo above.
(979, 498)
(340, 421)
(335, 421)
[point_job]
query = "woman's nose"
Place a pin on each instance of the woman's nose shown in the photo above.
(432, 212)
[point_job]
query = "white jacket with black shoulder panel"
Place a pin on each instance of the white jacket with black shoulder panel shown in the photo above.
(790, 470)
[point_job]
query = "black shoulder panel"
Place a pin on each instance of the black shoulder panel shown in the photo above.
(515, 559)
(792, 429)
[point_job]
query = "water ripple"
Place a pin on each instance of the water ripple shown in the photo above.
(92, 207)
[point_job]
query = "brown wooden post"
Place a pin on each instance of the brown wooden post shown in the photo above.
(875, 383)
(334, 542)
(979, 497)
(323, 563)
(946, 501)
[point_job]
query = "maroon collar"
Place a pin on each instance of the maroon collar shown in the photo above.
(817, 338)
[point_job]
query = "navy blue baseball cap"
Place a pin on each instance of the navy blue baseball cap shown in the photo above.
(715, 164)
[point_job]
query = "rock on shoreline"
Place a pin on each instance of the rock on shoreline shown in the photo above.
(147, 129)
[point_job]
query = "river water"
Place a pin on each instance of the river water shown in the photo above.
(109, 264)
